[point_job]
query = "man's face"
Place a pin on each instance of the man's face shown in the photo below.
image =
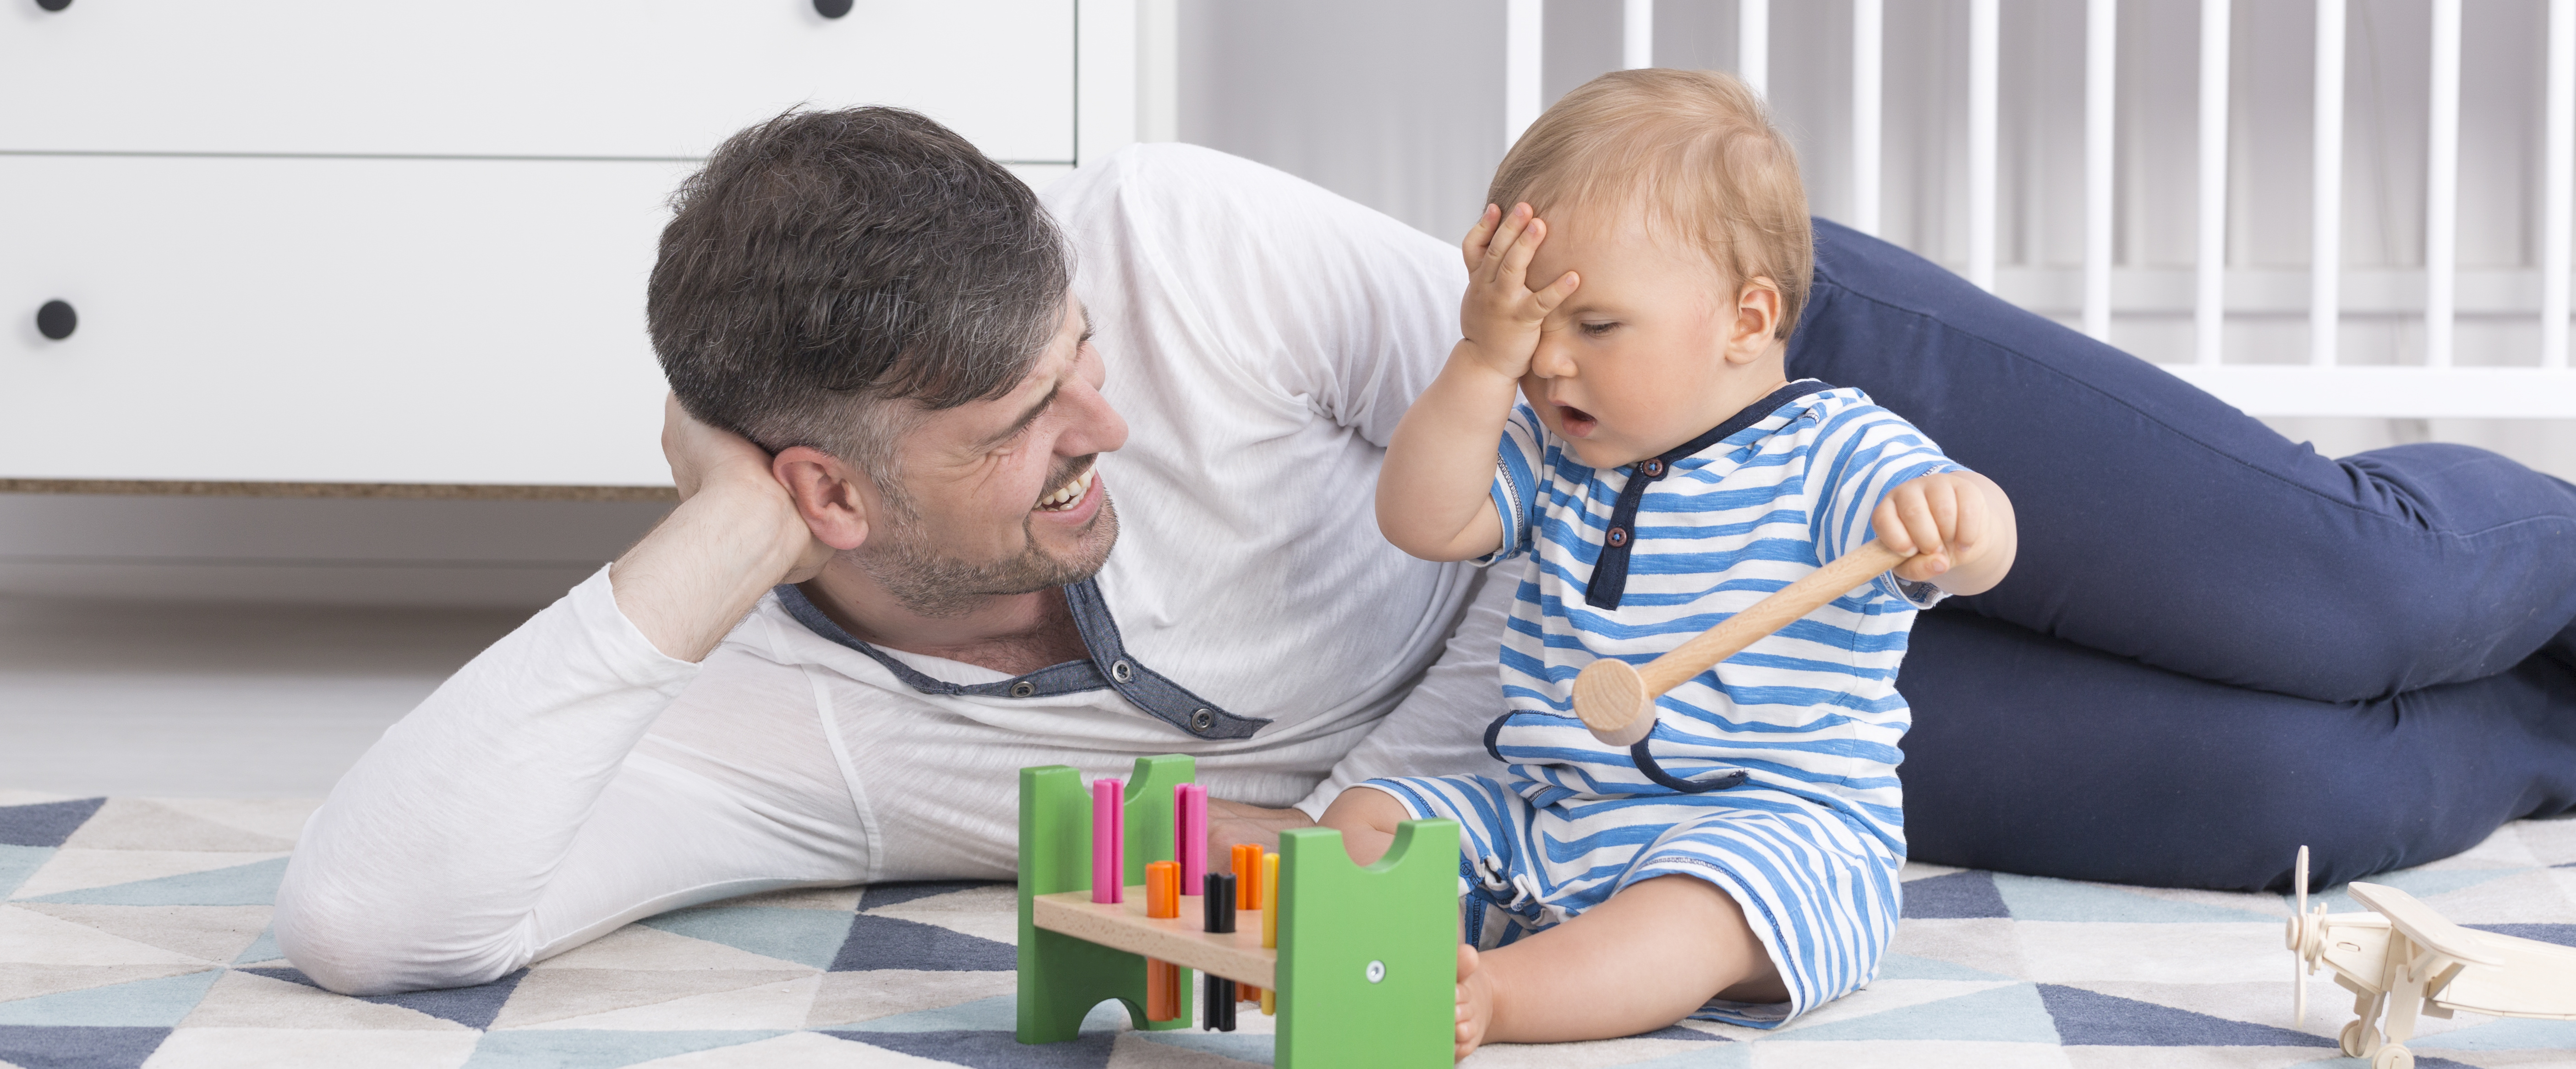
(1003, 494)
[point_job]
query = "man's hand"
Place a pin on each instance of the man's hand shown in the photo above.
(1235, 822)
(707, 458)
(736, 533)
(1500, 316)
(1959, 523)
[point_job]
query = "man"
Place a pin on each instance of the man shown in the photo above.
(888, 395)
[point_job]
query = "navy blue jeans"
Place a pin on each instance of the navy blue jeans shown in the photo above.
(2216, 645)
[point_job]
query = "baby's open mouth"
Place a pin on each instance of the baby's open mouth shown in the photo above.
(1576, 422)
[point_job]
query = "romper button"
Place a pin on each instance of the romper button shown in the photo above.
(1618, 537)
(1122, 671)
(1654, 469)
(1023, 689)
(1201, 719)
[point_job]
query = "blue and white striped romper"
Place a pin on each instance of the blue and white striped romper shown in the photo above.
(1772, 775)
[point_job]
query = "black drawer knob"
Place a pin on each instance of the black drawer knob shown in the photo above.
(56, 319)
(53, 5)
(830, 9)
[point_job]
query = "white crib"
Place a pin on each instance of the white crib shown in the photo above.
(2537, 384)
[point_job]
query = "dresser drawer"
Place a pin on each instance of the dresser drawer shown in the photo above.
(587, 78)
(302, 320)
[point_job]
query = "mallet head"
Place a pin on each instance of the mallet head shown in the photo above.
(1611, 698)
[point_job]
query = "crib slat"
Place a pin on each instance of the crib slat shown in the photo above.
(1524, 22)
(2101, 54)
(2325, 195)
(2558, 184)
(1753, 44)
(1984, 72)
(1637, 34)
(2442, 187)
(2209, 303)
(1868, 34)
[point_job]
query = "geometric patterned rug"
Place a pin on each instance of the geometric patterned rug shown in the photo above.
(133, 932)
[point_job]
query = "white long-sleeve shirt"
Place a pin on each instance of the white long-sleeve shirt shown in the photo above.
(1263, 337)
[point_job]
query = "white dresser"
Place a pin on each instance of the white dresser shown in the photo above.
(360, 243)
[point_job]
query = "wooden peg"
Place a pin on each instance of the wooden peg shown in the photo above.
(1617, 700)
(1108, 840)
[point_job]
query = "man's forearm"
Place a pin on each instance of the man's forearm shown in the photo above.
(706, 564)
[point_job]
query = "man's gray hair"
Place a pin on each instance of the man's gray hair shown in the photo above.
(830, 275)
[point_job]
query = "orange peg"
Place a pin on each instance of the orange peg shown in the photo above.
(1163, 982)
(1247, 876)
(1162, 894)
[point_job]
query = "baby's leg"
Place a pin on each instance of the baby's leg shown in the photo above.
(1649, 956)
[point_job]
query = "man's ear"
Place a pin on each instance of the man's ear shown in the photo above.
(830, 494)
(1757, 317)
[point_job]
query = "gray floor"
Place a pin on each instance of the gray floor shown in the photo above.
(213, 700)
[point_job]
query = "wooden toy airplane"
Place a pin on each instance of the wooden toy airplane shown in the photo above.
(1617, 700)
(2404, 959)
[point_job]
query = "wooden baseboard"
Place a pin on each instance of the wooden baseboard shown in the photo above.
(417, 491)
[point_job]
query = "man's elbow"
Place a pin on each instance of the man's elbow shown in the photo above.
(352, 949)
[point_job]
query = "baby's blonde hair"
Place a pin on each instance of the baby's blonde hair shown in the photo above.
(1695, 150)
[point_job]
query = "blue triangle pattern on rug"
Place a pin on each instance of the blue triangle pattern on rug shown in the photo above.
(805, 936)
(157, 1003)
(261, 949)
(79, 1048)
(473, 1007)
(594, 1048)
(1674, 1031)
(1957, 896)
(2504, 1033)
(2091, 1018)
(2422, 883)
(1735, 1056)
(254, 884)
(19, 862)
(881, 895)
(2009, 1014)
(1259, 1050)
(2561, 934)
(45, 823)
(1908, 967)
(1000, 1013)
(993, 1050)
(2038, 898)
(893, 943)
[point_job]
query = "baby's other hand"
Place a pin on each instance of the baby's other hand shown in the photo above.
(1942, 518)
(1500, 316)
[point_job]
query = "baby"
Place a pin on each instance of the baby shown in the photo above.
(1660, 473)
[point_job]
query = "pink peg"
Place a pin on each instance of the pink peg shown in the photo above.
(1189, 827)
(1108, 840)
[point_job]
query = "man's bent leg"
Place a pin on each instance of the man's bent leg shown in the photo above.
(2031, 754)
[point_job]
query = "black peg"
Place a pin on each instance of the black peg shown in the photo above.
(53, 5)
(1218, 996)
(1219, 903)
(830, 9)
(56, 319)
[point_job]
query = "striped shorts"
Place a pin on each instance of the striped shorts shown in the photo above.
(1821, 894)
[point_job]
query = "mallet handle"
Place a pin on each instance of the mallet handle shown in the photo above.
(1818, 589)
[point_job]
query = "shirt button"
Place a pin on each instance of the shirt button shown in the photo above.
(1122, 671)
(1200, 719)
(1654, 469)
(1618, 537)
(1023, 689)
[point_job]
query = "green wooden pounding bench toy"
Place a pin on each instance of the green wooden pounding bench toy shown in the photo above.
(1365, 966)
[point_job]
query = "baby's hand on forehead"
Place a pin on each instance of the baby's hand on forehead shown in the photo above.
(1501, 315)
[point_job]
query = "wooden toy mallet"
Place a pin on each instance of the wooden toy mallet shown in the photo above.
(1617, 700)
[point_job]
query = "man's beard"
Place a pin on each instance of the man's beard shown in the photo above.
(928, 583)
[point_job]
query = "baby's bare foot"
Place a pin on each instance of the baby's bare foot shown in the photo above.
(1475, 1002)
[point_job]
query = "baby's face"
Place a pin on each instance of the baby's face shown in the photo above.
(1634, 363)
